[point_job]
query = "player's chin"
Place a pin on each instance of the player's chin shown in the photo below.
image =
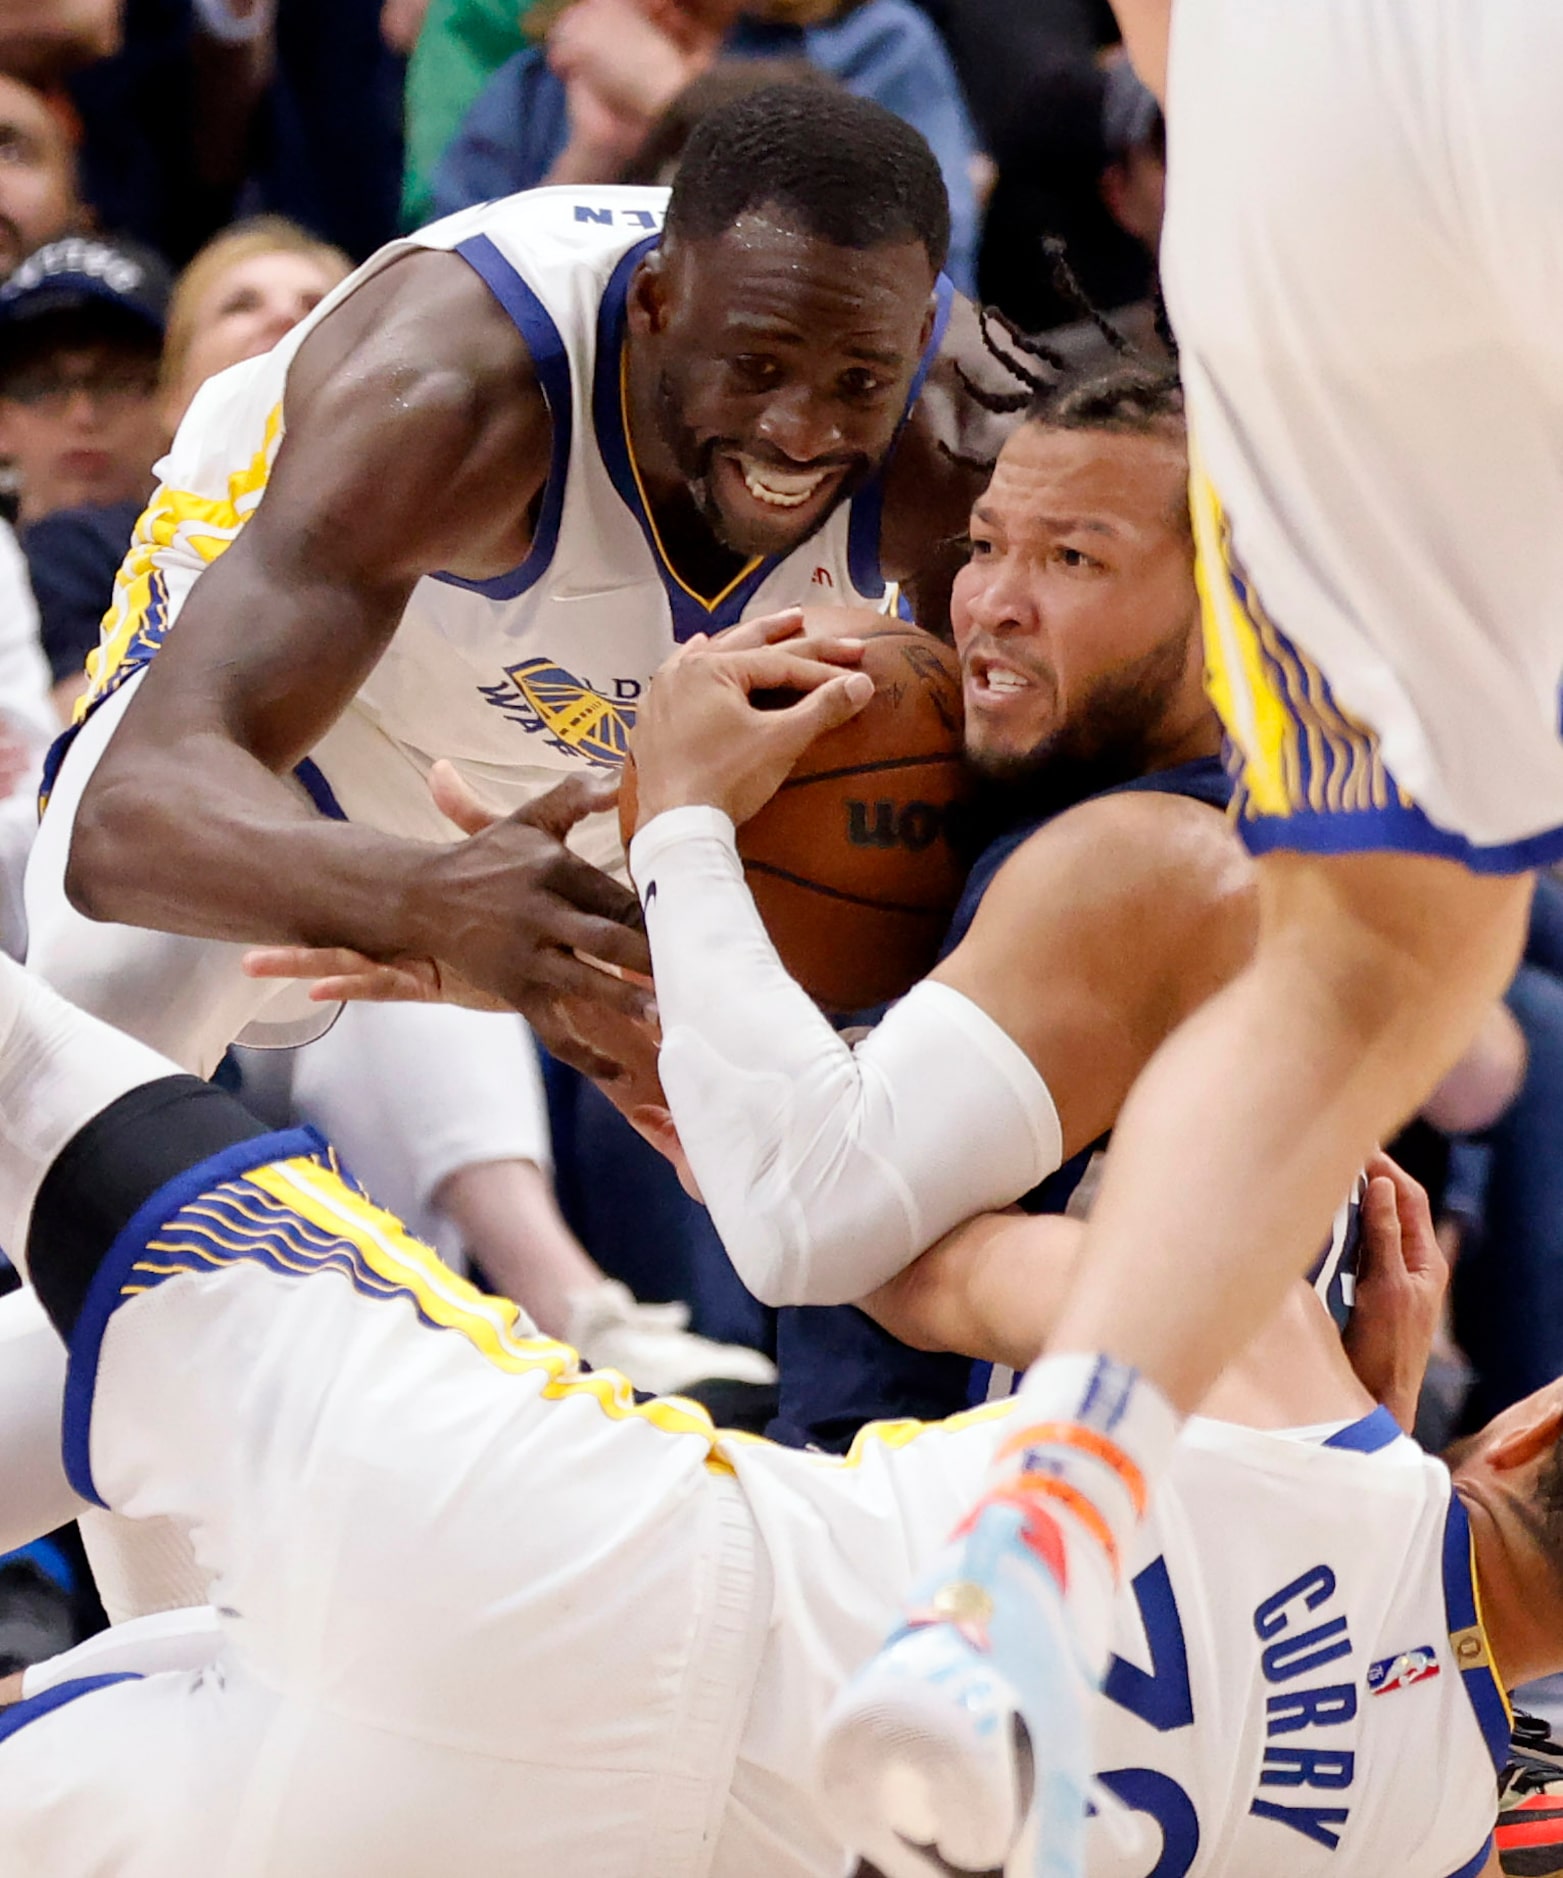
(1002, 752)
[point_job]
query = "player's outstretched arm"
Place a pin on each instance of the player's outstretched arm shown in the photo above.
(994, 1289)
(416, 439)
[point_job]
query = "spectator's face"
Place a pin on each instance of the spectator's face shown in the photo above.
(245, 312)
(38, 199)
(1076, 617)
(782, 366)
(80, 421)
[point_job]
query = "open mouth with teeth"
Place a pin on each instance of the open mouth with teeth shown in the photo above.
(987, 682)
(784, 491)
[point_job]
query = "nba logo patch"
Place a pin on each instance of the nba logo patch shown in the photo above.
(1400, 1672)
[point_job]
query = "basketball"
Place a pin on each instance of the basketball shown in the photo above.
(856, 863)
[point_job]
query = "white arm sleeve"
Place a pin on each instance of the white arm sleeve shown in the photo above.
(145, 1646)
(827, 1169)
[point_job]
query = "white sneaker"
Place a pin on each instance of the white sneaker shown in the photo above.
(653, 1345)
(962, 1750)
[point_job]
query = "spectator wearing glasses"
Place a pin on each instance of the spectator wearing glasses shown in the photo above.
(81, 331)
(81, 415)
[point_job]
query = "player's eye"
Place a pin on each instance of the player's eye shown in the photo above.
(861, 384)
(1075, 559)
(978, 547)
(755, 371)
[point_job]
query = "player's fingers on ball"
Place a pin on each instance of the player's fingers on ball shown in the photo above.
(835, 701)
(833, 651)
(764, 630)
(458, 801)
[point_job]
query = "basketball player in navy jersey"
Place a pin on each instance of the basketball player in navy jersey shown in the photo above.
(1359, 250)
(1114, 901)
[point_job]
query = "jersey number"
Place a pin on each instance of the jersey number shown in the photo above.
(1163, 1700)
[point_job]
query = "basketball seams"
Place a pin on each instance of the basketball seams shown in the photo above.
(941, 914)
(933, 759)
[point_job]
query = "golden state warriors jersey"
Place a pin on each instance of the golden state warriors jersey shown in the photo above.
(537, 672)
(1300, 1687)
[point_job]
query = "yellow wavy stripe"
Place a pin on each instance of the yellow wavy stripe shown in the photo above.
(488, 1323)
(390, 1255)
(205, 524)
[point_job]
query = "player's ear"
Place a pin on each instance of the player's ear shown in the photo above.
(1535, 1432)
(929, 319)
(648, 297)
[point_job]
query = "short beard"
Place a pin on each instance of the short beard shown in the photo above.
(1108, 739)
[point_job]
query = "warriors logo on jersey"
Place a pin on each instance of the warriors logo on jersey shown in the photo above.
(573, 718)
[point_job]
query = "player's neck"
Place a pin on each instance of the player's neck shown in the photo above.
(1521, 1605)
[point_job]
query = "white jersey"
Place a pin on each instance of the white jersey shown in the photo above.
(1361, 259)
(525, 677)
(481, 1612)
(1300, 1685)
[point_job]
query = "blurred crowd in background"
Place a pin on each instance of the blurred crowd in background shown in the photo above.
(183, 180)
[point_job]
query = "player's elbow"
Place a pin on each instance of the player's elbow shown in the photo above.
(768, 1269)
(110, 829)
(794, 1260)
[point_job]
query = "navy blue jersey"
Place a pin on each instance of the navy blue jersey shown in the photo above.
(839, 1369)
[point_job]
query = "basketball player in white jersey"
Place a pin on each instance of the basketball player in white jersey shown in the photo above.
(464, 511)
(1361, 264)
(478, 1611)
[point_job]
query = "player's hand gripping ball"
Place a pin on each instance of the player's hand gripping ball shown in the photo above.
(856, 860)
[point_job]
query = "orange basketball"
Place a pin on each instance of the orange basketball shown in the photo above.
(856, 862)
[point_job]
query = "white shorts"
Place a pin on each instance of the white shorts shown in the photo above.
(1364, 266)
(482, 1613)
(187, 997)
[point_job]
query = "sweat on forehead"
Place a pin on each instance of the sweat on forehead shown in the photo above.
(839, 168)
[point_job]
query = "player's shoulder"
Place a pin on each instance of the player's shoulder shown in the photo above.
(1141, 846)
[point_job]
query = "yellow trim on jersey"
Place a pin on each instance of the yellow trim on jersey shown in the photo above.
(1301, 752)
(300, 1216)
(651, 521)
(205, 525)
(887, 1434)
(1234, 675)
(1477, 1635)
(487, 1323)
